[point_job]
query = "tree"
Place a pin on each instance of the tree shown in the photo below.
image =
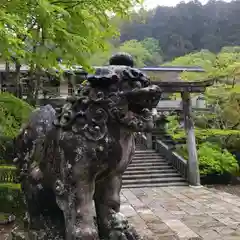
(70, 29)
(145, 53)
(137, 50)
(204, 59)
(187, 27)
(152, 45)
(225, 67)
(101, 58)
(36, 33)
(234, 72)
(13, 113)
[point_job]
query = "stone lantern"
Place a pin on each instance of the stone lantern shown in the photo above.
(201, 101)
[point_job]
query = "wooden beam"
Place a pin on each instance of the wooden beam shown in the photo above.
(193, 167)
(180, 87)
(180, 109)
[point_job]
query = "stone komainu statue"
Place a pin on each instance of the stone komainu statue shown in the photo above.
(75, 155)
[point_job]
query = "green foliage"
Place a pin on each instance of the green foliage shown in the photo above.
(153, 47)
(137, 50)
(11, 200)
(145, 53)
(211, 143)
(202, 134)
(37, 32)
(18, 108)
(14, 112)
(14, 186)
(7, 167)
(204, 59)
(214, 160)
(100, 58)
(188, 27)
(224, 66)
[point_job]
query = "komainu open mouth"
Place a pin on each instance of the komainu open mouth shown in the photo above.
(141, 101)
(140, 104)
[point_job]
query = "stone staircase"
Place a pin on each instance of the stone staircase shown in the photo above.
(150, 169)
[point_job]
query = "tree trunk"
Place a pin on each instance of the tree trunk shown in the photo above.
(30, 86)
(37, 86)
(233, 82)
(17, 79)
(7, 69)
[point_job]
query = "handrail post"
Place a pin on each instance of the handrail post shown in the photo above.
(193, 168)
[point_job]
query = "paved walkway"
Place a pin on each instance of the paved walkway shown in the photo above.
(185, 213)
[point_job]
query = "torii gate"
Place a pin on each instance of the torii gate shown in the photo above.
(186, 88)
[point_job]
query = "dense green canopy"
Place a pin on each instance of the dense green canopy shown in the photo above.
(37, 32)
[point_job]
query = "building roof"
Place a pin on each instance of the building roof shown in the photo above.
(173, 69)
(25, 68)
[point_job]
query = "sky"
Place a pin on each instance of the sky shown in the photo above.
(149, 4)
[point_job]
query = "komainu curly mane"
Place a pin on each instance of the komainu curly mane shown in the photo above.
(75, 155)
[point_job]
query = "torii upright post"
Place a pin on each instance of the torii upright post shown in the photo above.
(193, 168)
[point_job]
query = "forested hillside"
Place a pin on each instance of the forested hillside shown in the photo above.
(187, 27)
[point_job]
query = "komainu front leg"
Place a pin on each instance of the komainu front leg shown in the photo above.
(112, 224)
(77, 206)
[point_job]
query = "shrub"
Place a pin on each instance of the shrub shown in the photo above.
(214, 160)
(11, 200)
(13, 113)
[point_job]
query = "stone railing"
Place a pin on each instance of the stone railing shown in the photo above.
(179, 163)
(141, 140)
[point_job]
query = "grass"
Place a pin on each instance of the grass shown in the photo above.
(7, 167)
(14, 186)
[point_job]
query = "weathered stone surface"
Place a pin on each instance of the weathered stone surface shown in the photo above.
(208, 216)
(75, 155)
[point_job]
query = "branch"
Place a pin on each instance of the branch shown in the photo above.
(75, 3)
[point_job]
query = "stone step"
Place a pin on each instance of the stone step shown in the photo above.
(145, 151)
(142, 168)
(153, 185)
(149, 164)
(148, 160)
(153, 180)
(150, 169)
(148, 156)
(147, 171)
(153, 176)
(157, 160)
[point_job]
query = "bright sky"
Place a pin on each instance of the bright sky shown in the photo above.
(153, 3)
